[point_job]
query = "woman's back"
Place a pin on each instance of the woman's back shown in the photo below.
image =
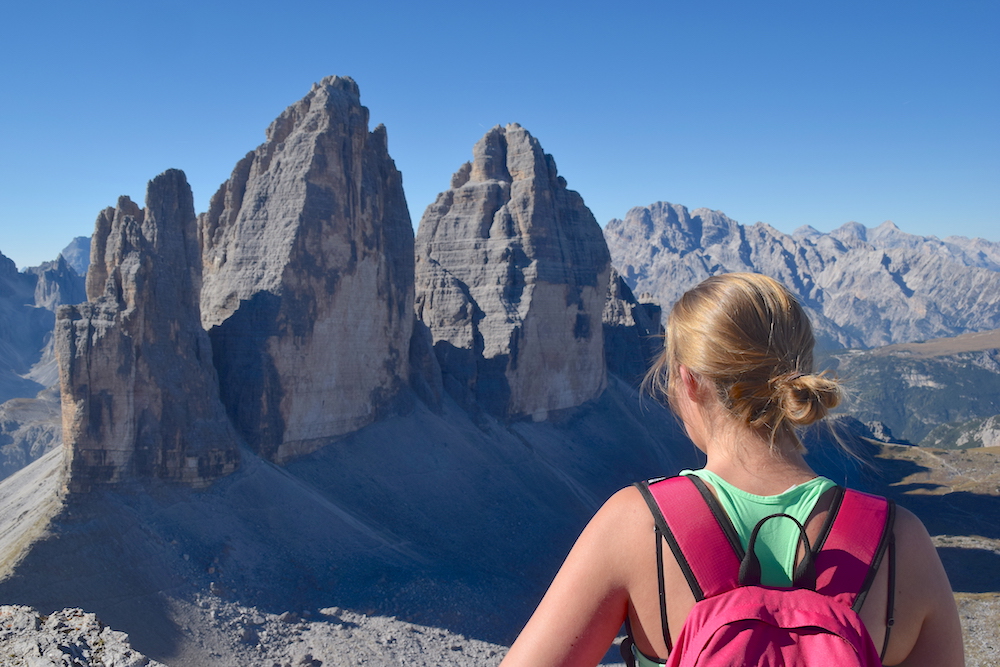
(924, 607)
(737, 370)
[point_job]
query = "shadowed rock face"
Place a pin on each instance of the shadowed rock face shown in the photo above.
(512, 276)
(632, 331)
(139, 393)
(23, 330)
(308, 277)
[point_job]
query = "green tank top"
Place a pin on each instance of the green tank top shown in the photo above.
(778, 539)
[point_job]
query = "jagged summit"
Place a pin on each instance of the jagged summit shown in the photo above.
(308, 277)
(863, 287)
(77, 254)
(851, 231)
(139, 393)
(512, 276)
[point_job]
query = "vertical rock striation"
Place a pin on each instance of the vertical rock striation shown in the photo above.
(139, 393)
(308, 277)
(512, 276)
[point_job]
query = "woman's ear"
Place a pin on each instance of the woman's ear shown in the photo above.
(690, 384)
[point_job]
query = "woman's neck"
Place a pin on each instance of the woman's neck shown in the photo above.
(747, 460)
(743, 456)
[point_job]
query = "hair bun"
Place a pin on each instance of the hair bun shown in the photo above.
(806, 398)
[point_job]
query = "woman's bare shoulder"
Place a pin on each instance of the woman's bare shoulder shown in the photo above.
(912, 539)
(921, 577)
(625, 514)
(927, 625)
(626, 502)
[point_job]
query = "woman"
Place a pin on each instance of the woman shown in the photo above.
(737, 370)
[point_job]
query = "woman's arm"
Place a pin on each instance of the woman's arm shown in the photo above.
(927, 630)
(580, 615)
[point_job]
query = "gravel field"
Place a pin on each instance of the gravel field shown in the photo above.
(239, 635)
(954, 492)
(980, 614)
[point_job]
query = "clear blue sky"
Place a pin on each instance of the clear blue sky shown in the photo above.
(789, 113)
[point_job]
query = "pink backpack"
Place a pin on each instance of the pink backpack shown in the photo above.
(736, 620)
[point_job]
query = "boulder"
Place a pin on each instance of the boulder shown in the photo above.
(66, 637)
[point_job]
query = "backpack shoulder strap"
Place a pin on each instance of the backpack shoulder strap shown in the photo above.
(850, 553)
(689, 520)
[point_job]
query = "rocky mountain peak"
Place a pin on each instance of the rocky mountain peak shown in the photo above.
(139, 393)
(105, 250)
(851, 232)
(330, 98)
(308, 276)
(77, 254)
(806, 231)
(512, 276)
(632, 331)
(8, 269)
(888, 226)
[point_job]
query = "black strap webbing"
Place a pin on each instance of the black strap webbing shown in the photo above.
(890, 603)
(661, 532)
(663, 591)
(626, 646)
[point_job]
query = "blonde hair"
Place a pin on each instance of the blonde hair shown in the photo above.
(748, 336)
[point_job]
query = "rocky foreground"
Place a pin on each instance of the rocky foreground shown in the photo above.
(240, 635)
(334, 637)
(67, 637)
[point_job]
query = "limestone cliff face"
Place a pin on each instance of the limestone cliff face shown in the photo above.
(308, 277)
(512, 275)
(139, 393)
(632, 331)
(862, 287)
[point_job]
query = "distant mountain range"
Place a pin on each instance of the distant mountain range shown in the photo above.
(863, 287)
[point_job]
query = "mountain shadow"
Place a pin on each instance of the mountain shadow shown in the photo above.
(433, 517)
